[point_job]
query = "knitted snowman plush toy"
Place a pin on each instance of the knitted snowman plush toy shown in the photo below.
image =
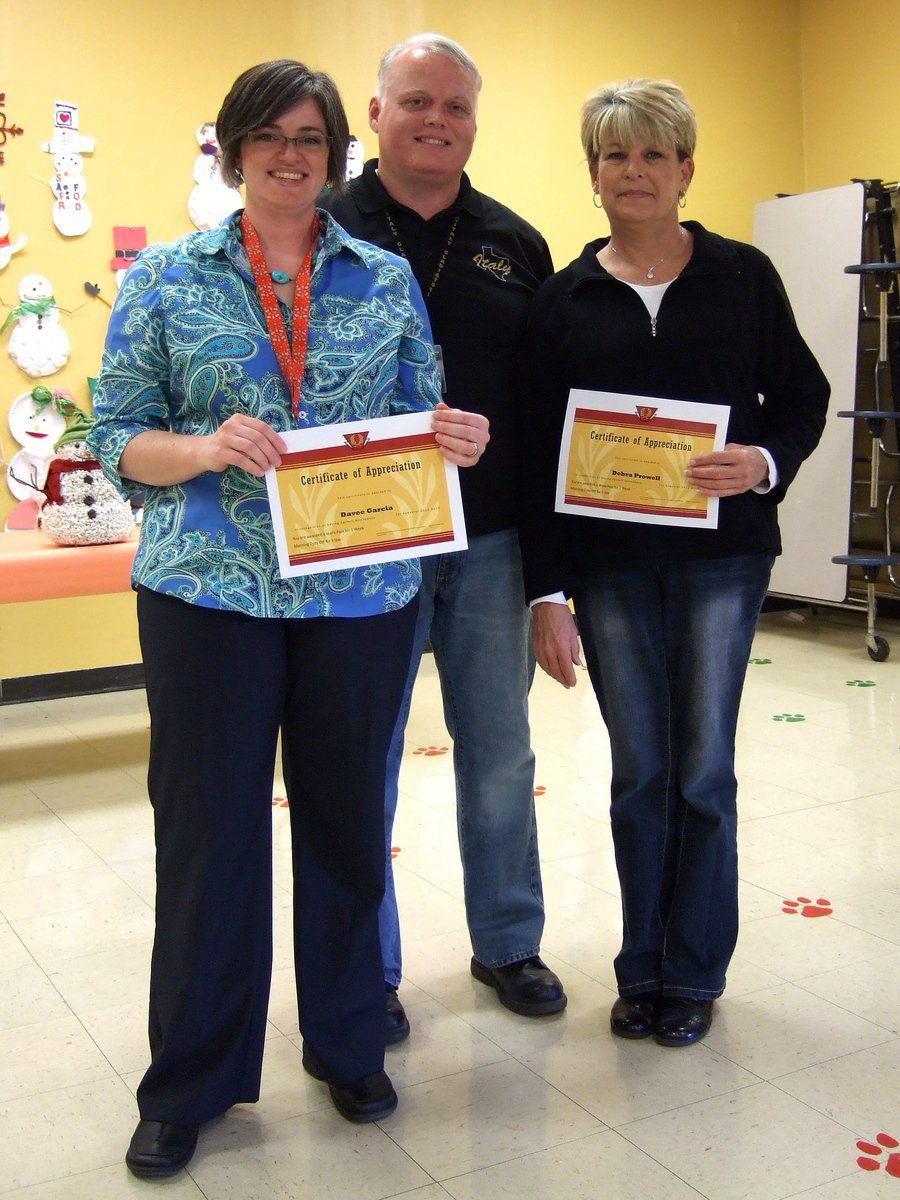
(82, 508)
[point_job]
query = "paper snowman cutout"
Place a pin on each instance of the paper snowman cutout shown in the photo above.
(38, 344)
(211, 199)
(71, 215)
(129, 241)
(36, 423)
(356, 157)
(7, 247)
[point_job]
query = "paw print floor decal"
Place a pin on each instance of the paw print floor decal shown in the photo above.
(807, 908)
(872, 1157)
(431, 751)
(788, 717)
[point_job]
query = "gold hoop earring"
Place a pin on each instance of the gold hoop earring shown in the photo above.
(594, 199)
(682, 199)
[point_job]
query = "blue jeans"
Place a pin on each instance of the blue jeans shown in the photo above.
(667, 649)
(472, 603)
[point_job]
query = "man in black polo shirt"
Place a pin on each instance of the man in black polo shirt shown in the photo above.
(478, 265)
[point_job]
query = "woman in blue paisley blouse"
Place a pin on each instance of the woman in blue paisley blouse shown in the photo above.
(275, 319)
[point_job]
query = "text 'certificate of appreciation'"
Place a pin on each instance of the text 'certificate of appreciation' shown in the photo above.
(363, 492)
(625, 457)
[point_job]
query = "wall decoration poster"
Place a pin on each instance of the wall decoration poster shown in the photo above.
(363, 492)
(624, 458)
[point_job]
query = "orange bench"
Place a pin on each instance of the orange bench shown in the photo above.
(33, 567)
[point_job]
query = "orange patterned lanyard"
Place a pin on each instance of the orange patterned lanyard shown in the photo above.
(291, 358)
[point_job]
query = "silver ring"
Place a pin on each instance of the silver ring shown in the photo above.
(476, 451)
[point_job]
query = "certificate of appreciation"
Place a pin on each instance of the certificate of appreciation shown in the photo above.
(624, 457)
(363, 492)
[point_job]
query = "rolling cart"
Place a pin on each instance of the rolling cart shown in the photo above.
(873, 556)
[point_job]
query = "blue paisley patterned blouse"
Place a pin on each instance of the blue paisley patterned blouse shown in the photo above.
(187, 346)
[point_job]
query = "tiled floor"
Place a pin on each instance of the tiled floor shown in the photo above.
(802, 1064)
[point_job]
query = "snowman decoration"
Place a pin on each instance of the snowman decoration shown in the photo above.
(211, 199)
(38, 344)
(36, 421)
(356, 157)
(71, 215)
(82, 507)
(7, 247)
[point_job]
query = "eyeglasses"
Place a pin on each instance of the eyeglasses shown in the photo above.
(312, 143)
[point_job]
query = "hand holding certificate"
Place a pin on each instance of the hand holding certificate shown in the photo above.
(363, 492)
(625, 458)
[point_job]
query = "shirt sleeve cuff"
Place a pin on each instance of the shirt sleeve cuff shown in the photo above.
(767, 485)
(553, 598)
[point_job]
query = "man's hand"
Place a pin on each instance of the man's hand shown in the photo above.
(462, 436)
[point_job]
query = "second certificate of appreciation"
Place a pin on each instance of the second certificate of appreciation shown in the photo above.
(625, 457)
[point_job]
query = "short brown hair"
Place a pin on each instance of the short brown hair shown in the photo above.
(654, 111)
(262, 93)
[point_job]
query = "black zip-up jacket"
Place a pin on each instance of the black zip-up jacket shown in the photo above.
(724, 334)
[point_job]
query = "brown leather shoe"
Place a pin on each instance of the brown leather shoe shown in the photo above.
(528, 988)
(160, 1148)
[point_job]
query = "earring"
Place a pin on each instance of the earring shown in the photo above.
(682, 199)
(594, 199)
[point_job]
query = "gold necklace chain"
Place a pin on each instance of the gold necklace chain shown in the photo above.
(396, 236)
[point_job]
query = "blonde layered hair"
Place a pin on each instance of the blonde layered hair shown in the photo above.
(649, 111)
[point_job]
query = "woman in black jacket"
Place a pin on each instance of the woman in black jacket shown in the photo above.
(666, 611)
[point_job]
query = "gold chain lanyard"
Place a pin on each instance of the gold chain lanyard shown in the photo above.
(440, 266)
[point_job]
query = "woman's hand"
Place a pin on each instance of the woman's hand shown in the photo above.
(728, 472)
(244, 442)
(462, 436)
(162, 458)
(554, 637)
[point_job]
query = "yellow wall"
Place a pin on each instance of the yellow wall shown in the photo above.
(851, 95)
(144, 76)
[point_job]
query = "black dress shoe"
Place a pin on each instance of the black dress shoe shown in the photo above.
(528, 988)
(635, 1016)
(682, 1021)
(397, 1020)
(366, 1099)
(160, 1148)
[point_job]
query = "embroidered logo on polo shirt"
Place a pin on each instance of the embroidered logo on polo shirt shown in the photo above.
(496, 264)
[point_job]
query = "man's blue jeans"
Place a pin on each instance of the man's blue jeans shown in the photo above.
(667, 650)
(472, 604)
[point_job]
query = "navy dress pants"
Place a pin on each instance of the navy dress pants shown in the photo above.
(221, 687)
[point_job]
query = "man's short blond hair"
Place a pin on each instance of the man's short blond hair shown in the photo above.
(430, 43)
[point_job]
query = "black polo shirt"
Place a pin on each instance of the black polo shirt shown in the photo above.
(477, 302)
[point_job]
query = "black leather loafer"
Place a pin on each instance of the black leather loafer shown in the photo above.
(397, 1020)
(528, 988)
(682, 1021)
(160, 1148)
(635, 1016)
(368, 1099)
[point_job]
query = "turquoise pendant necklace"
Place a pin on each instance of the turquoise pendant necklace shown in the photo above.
(280, 277)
